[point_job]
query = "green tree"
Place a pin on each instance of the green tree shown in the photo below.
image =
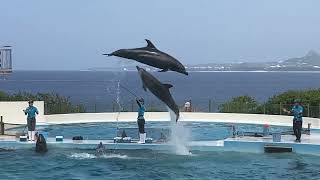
(240, 104)
(3, 96)
(54, 103)
(310, 100)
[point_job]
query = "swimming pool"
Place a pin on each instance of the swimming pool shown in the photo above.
(145, 164)
(196, 130)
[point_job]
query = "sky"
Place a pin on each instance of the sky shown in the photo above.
(72, 34)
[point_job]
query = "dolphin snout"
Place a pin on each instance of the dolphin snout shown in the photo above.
(107, 54)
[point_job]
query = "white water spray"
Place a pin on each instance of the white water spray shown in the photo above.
(119, 105)
(179, 135)
(81, 156)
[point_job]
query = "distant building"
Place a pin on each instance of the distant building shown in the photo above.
(5, 59)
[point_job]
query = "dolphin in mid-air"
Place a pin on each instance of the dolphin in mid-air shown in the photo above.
(151, 56)
(161, 91)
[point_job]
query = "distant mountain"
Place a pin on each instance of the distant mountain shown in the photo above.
(312, 58)
(309, 62)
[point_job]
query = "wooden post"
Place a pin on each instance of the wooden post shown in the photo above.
(309, 129)
(95, 107)
(308, 110)
(233, 131)
(132, 105)
(45, 108)
(1, 125)
(209, 105)
(280, 109)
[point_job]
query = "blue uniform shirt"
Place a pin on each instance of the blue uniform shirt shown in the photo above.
(141, 111)
(31, 111)
(297, 112)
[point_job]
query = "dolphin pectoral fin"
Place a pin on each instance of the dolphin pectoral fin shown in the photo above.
(163, 70)
(150, 45)
(144, 88)
(168, 86)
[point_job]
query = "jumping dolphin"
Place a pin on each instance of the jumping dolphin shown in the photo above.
(41, 144)
(161, 91)
(151, 56)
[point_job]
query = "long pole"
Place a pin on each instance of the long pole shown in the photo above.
(24, 129)
(128, 91)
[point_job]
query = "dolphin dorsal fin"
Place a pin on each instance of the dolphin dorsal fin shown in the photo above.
(168, 86)
(150, 45)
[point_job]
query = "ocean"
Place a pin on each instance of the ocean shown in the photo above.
(99, 90)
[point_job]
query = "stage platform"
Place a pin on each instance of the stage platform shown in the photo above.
(310, 144)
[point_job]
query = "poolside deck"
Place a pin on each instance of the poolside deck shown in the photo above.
(310, 144)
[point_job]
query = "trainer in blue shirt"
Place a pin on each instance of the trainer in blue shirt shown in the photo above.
(31, 111)
(140, 120)
(297, 112)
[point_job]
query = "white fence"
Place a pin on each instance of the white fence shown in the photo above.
(12, 114)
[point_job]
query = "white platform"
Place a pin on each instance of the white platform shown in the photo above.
(310, 144)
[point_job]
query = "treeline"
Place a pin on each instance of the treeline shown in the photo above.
(310, 100)
(54, 103)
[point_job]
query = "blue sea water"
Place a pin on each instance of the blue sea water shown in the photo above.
(145, 164)
(98, 90)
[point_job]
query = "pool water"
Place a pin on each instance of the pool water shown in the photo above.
(196, 130)
(146, 164)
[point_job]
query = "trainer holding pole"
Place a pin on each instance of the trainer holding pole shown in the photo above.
(31, 112)
(140, 120)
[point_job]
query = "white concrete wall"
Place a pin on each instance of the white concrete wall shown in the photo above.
(104, 117)
(13, 114)
(12, 111)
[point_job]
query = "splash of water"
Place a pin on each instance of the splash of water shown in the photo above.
(81, 156)
(179, 136)
(118, 97)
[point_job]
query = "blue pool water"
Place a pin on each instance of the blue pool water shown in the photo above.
(145, 164)
(196, 130)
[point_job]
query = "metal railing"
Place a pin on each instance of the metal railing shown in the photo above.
(199, 106)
